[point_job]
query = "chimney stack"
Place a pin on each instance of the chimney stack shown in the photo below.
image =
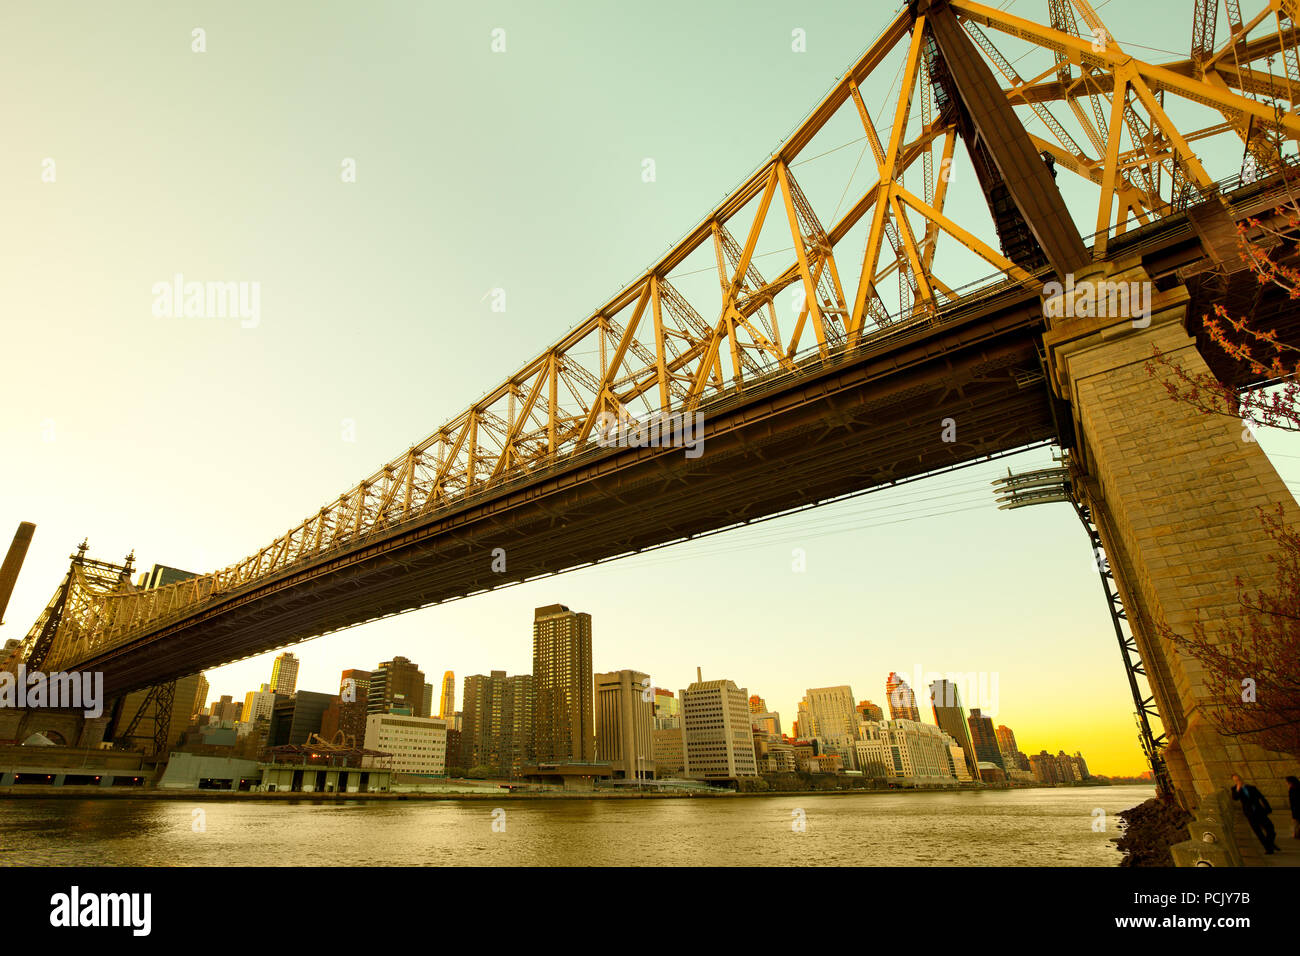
(13, 563)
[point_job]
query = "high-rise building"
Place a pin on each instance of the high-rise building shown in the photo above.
(669, 752)
(803, 723)
(872, 752)
(624, 723)
(985, 739)
(668, 710)
(902, 699)
(957, 762)
(396, 686)
(1012, 757)
(284, 674)
(767, 723)
(455, 756)
(1080, 765)
(225, 710)
(447, 706)
(258, 704)
(1045, 768)
(354, 703)
(869, 711)
(296, 718)
(200, 696)
(719, 739)
(1072, 769)
(418, 744)
(951, 718)
(161, 576)
(497, 723)
(1006, 741)
(772, 754)
(829, 715)
(831, 712)
(329, 720)
(563, 722)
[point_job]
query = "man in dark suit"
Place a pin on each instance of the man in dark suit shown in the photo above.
(1256, 808)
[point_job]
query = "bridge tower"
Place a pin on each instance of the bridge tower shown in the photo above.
(1174, 493)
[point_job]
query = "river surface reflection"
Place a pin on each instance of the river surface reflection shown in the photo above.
(1046, 827)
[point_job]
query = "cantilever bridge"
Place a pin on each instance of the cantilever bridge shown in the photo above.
(888, 342)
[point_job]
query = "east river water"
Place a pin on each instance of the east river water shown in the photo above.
(1040, 827)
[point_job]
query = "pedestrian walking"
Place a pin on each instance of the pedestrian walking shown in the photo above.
(1256, 807)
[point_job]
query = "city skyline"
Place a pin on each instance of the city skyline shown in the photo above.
(788, 718)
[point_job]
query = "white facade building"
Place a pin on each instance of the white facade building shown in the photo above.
(906, 750)
(716, 729)
(830, 715)
(258, 704)
(418, 744)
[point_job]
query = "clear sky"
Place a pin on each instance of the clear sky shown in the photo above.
(195, 442)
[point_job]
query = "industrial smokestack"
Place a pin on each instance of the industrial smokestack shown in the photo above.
(13, 562)
(699, 676)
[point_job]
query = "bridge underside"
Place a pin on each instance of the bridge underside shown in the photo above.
(844, 425)
(861, 419)
(867, 418)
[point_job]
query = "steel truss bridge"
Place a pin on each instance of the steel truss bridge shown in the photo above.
(848, 396)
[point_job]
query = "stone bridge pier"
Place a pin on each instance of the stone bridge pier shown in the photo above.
(66, 728)
(1175, 495)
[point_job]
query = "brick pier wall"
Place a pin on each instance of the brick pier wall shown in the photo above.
(1176, 493)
